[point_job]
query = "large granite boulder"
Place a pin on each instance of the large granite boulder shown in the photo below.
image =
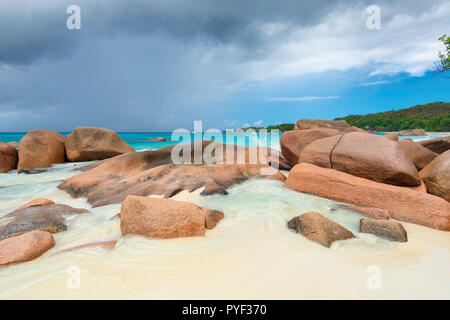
(439, 145)
(413, 132)
(51, 218)
(153, 173)
(436, 176)
(40, 149)
(419, 155)
(402, 203)
(25, 247)
(388, 229)
(341, 125)
(364, 155)
(8, 158)
(319, 152)
(164, 218)
(293, 142)
(87, 143)
(317, 228)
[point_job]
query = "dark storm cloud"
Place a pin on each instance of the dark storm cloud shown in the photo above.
(159, 64)
(36, 29)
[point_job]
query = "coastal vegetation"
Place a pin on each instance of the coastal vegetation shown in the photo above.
(431, 117)
(444, 58)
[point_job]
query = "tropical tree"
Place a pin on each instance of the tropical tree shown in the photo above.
(444, 58)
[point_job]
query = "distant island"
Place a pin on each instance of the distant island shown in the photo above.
(432, 117)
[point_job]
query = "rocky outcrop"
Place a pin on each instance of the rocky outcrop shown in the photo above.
(391, 136)
(341, 125)
(402, 203)
(25, 247)
(50, 218)
(40, 149)
(87, 143)
(439, 145)
(419, 155)
(364, 155)
(413, 132)
(36, 203)
(152, 173)
(293, 142)
(164, 218)
(317, 228)
(388, 229)
(8, 158)
(159, 139)
(436, 176)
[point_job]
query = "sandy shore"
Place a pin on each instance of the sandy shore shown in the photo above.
(251, 254)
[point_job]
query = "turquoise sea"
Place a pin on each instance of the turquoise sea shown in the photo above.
(141, 140)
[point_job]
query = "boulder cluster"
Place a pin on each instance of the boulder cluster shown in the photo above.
(377, 176)
(40, 149)
(380, 177)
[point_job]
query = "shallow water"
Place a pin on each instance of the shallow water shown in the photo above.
(250, 254)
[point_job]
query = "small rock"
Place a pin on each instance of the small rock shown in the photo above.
(413, 132)
(388, 229)
(50, 218)
(159, 139)
(25, 247)
(317, 228)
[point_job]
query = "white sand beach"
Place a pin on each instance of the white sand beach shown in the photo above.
(251, 254)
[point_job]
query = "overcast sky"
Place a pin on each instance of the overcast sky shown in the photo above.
(158, 65)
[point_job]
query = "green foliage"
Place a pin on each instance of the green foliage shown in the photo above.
(431, 117)
(282, 127)
(444, 57)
